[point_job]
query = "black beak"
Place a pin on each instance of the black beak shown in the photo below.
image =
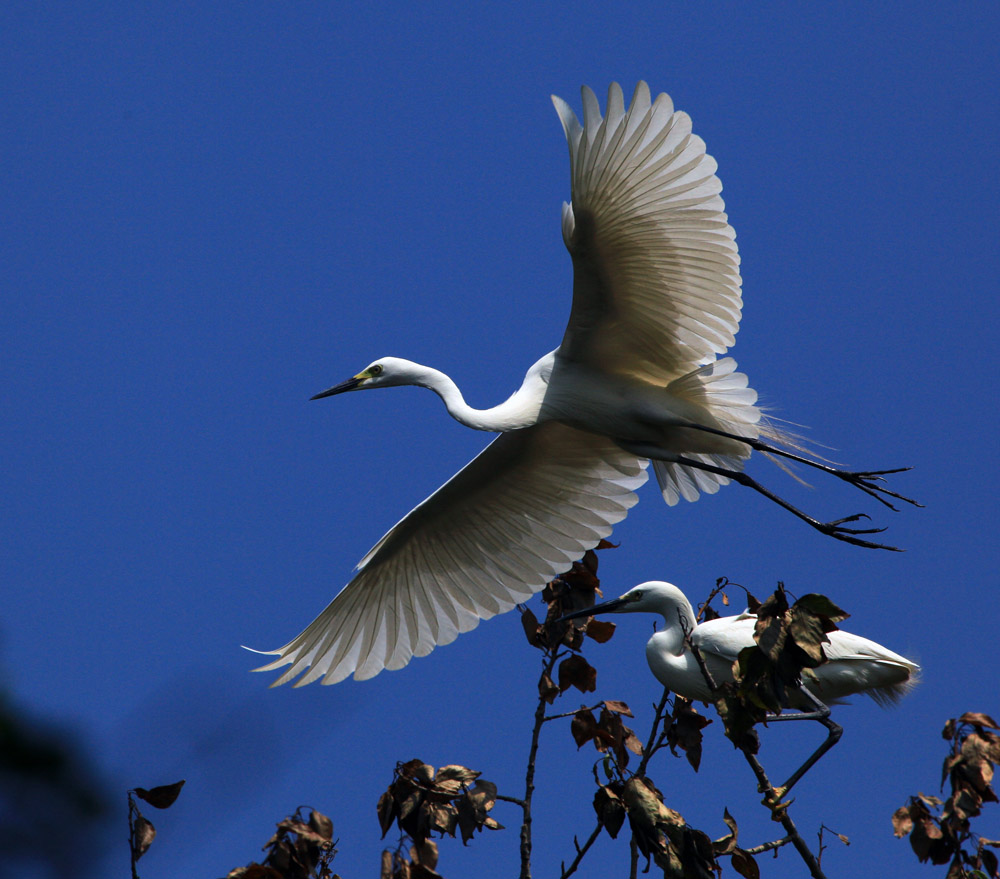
(603, 607)
(349, 385)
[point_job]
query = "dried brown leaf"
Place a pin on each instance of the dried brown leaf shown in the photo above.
(304, 832)
(685, 729)
(416, 769)
(727, 844)
(161, 797)
(387, 811)
(632, 742)
(143, 835)
(425, 854)
(600, 630)
(254, 871)
(321, 824)
(902, 823)
(618, 707)
(989, 863)
(583, 727)
(442, 817)
(547, 689)
(460, 774)
(575, 671)
(532, 630)
(821, 606)
(744, 863)
(978, 719)
(809, 634)
(610, 809)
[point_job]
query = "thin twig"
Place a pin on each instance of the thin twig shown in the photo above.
(780, 811)
(721, 584)
(549, 717)
(768, 846)
(131, 834)
(529, 776)
(652, 743)
(581, 851)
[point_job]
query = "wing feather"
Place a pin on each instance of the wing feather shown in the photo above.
(656, 288)
(516, 516)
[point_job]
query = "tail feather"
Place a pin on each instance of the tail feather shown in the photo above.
(719, 389)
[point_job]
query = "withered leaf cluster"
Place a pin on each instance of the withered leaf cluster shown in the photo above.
(939, 830)
(608, 732)
(299, 849)
(684, 726)
(422, 801)
(569, 592)
(141, 829)
(420, 864)
(660, 833)
(790, 641)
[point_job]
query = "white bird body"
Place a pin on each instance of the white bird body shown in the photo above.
(656, 297)
(854, 664)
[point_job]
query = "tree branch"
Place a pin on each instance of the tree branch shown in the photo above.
(780, 812)
(778, 809)
(653, 744)
(581, 851)
(768, 846)
(529, 776)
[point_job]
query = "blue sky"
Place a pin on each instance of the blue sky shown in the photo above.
(214, 211)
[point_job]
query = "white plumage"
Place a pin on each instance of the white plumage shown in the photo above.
(854, 664)
(656, 296)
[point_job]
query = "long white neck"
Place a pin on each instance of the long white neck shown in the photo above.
(518, 411)
(678, 616)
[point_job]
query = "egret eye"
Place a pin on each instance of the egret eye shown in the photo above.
(375, 370)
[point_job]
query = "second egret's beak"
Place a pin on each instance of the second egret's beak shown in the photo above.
(604, 607)
(349, 385)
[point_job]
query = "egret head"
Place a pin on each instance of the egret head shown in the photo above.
(382, 373)
(654, 596)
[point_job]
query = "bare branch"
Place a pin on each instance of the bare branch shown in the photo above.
(768, 846)
(580, 851)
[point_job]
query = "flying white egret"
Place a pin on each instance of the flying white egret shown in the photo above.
(853, 664)
(656, 296)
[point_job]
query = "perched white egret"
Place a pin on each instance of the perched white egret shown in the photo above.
(853, 664)
(656, 297)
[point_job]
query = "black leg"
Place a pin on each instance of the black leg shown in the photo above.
(821, 715)
(869, 481)
(833, 529)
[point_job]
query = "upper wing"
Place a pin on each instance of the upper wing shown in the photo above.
(656, 284)
(517, 515)
(725, 636)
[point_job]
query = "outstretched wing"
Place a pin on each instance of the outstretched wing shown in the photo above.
(512, 519)
(656, 284)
